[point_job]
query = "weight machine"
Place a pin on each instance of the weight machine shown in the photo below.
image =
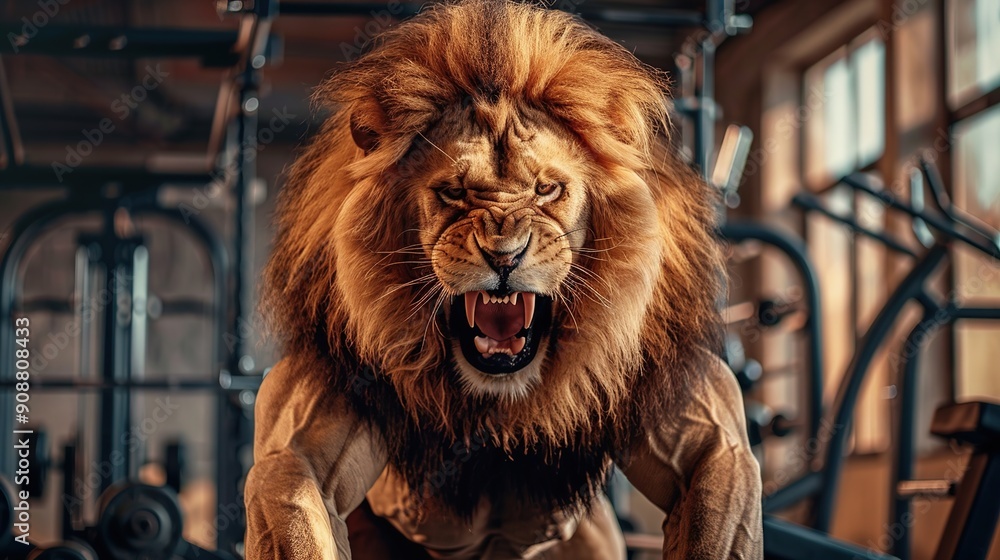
(138, 520)
(974, 515)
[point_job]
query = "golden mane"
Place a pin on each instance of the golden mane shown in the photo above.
(343, 213)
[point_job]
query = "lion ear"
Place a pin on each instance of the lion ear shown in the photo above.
(364, 135)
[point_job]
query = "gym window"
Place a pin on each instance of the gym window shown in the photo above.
(848, 132)
(973, 64)
(973, 44)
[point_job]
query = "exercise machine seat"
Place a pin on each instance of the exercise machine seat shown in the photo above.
(976, 423)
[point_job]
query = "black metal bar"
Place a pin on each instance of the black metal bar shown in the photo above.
(991, 248)
(974, 515)
(10, 135)
(95, 178)
(796, 252)
(371, 9)
(230, 426)
(170, 307)
(215, 48)
(223, 383)
(653, 17)
(115, 405)
(644, 16)
(70, 500)
(811, 202)
(847, 394)
(977, 313)
(903, 458)
(793, 493)
(787, 541)
(957, 215)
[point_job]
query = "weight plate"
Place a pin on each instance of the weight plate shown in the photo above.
(69, 550)
(139, 522)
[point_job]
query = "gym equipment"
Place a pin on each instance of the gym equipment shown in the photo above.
(974, 514)
(748, 372)
(972, 520)
(138, 521)
(175, 463)
(116, 194)
(68, 550)
(762, 423)
(39, 461)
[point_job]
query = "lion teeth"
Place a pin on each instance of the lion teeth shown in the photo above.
(482, 345)
(486, 298)
(517, 344)
(470, 308)
(529, 308)
(513, 298)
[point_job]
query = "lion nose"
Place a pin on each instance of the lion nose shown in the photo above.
(503, 262)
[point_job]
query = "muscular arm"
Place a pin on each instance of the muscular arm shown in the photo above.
(313, 462)
(698, 468)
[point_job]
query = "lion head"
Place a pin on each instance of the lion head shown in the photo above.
(492, 220)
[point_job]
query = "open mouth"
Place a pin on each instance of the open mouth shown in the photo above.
(499, 334)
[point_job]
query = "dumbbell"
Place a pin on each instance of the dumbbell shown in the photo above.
(748, 371)
(68, 550)
(138, 522)
(770, 313)
(749, 374)
(762, 422)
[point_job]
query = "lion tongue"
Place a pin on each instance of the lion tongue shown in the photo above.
(499, 321)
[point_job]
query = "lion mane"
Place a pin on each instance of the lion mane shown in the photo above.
(338, 273)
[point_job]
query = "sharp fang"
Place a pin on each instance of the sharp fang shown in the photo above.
(470, 308)
(513, 298)
(517, 344)
(529, 308)
(482, 345)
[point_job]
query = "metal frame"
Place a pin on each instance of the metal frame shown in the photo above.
(86, 186)
(952, 226)
(793, 248)
(213, 48)
(935, 317)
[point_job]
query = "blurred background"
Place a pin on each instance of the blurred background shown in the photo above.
(144, 143)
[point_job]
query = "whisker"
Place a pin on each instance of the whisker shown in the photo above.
(569, 308)
(453, 160)
(425, 279)
(423, 300)
(583, 282)
(432, 319)
(571, 232)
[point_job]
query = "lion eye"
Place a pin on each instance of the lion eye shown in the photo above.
(549, 189)
(453, 192)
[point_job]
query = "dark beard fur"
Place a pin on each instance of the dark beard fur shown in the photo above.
(456, 471)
